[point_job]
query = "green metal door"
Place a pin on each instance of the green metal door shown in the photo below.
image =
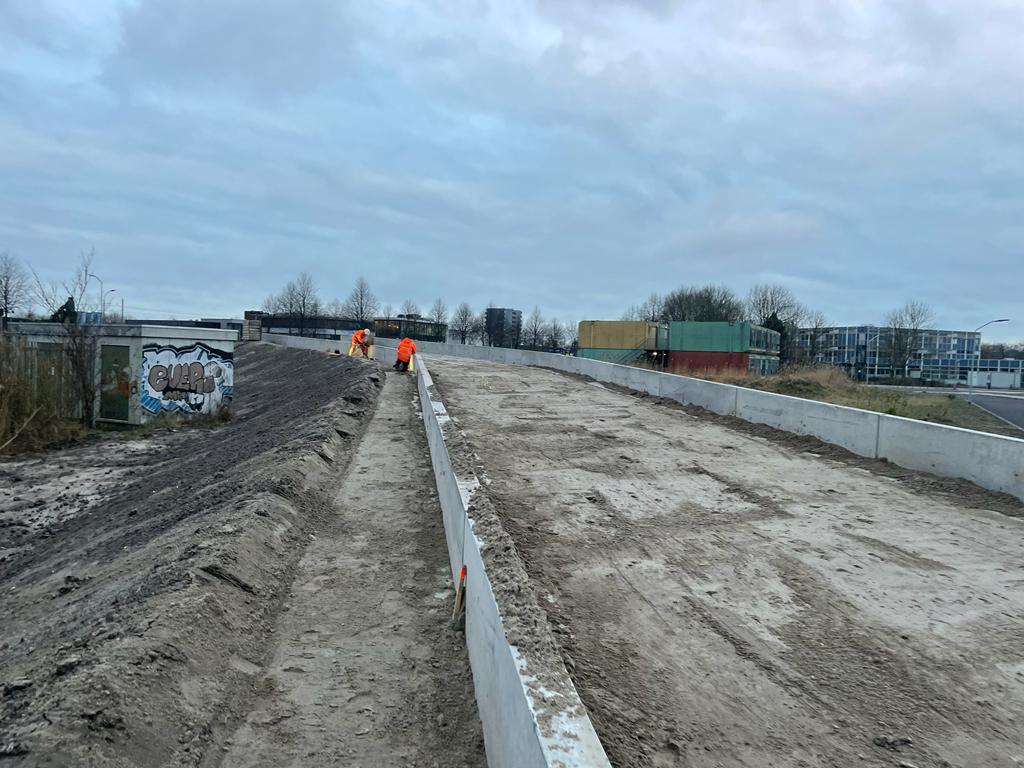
(115, 382)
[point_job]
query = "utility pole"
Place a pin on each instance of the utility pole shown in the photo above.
(975, 360)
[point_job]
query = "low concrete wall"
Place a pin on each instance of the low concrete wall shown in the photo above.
(305, 342)
(851, 428)
(507, 696)
(717, 398)
(992, 461)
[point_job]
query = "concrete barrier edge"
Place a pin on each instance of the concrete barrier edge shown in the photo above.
(506, 692)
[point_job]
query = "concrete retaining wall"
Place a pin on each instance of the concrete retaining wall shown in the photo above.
(991, 461)
(506, 694)
(851, 428)
(306, 342)
(987, 460)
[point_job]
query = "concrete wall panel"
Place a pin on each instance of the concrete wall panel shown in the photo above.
(851, 428)
(991, 461)
(717, 398)
(501, 680)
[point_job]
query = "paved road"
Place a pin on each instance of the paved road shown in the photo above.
(946, 390)
(1009, 408)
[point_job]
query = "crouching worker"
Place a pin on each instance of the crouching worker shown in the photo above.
(360, 342)
(406, 349)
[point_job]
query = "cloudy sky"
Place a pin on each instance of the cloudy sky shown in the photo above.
(577, 154)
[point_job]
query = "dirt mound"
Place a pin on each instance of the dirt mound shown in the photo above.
(138, 597)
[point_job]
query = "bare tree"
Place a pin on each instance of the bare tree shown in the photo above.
(707, 304)
(308, 301)
(361, 305)
(14, 287)
(775, 307)
(81, 341)
(480, 330)
(299, 300)
(287, 301)
(53, 295)
(652, 308)
(439, 312)
(270, 304)
(765, 300)
(904, 327)
(554, 336)
(410, 307)
(571, 332)
(816, 326)
(533, 329)
(462, 322)
(387, 311)
(335, 308)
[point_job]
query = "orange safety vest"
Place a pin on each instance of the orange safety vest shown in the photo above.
(406, 349)
(359, 337)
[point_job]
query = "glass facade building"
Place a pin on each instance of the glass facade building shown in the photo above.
(864, 351)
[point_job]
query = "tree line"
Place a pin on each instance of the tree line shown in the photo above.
(300, 300)
(771, 306)
(777, 308)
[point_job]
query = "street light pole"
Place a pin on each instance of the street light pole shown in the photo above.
(102, 294)
(974, 366)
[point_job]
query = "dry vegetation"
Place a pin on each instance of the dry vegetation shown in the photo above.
(831, 385)
(34, 408)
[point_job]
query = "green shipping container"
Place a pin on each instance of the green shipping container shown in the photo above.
(709, 337)
(620, 356)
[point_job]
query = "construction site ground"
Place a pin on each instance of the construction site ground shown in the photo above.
(273, 591)
(728, 595)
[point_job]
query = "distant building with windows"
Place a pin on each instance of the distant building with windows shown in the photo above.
(504, 326)
(414, 326)
(864, 351)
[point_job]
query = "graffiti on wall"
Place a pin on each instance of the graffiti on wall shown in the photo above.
(192, 379)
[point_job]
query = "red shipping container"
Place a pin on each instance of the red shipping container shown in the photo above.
(682, 362)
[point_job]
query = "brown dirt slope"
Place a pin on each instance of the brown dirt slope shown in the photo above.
(139, 580)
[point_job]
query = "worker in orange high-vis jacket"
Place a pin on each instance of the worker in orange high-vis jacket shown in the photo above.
(360, 342)
(406, 349)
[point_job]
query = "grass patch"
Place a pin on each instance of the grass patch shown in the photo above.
(830, 385)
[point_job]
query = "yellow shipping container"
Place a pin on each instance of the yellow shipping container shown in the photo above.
(618, 334)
